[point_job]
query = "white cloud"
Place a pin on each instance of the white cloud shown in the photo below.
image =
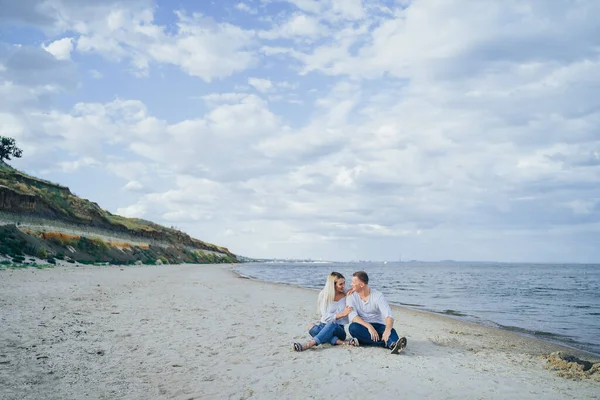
(72, 166)
(133, 186)
(224, 97)
(96, 74)
(328, 129)
(456, 145)
(61, 48)
(311, 6)
(132, 211)
(10, 125)
(480, 36)
(202, 48)
(299, 25)
(245, 8)
(348, 9)
(133, 171)
(125, 31)
(262, 85)
(287, 85)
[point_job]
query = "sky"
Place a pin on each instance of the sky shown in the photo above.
(332, 129)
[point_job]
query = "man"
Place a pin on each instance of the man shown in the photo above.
(371, 318)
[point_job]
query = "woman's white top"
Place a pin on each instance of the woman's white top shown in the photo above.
(333, 309)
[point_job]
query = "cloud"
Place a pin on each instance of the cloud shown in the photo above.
(96, 74)
(58, 16)
(348, 9)
(480, 142)
(262, 85)
(72, 166)
(224, 97)
(325, 133)
(25, 12)
(132, 211)
(201, 48)
(129, 170)
(34, 67)
(298, 25)
(480, 39)
(311, 6)
(245, 8)
(133, 186)
(200, 144)
(61, 49)
(125, 30)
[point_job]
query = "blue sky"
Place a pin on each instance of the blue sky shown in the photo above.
(334, 129)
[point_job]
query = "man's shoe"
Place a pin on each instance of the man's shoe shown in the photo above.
(399, 345)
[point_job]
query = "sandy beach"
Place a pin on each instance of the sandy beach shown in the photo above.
(202, 332)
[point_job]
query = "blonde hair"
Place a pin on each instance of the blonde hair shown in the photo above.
(327, 295)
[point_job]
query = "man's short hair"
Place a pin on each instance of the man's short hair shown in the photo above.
(362, 276)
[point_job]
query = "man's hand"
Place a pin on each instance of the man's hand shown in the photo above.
(373, 333)
(386, 335)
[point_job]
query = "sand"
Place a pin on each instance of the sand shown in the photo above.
(201, 332)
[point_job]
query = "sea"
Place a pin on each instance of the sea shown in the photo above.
(558, 303)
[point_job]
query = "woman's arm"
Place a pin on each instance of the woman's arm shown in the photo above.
(332, 314)
(344, 313)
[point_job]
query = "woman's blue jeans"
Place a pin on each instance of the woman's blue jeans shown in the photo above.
(327, 333)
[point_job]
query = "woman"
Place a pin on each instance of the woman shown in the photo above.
(334, 314)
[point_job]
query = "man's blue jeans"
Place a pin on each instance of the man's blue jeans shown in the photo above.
(327, 333)
(364, 338)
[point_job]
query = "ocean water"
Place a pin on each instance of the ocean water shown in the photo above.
(553, 302)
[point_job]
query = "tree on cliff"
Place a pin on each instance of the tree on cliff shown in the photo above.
(9, 149)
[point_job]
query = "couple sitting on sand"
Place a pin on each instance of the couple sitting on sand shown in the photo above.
(369, 314)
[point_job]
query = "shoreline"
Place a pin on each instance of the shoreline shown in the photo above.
(580, 353)
(200, 331)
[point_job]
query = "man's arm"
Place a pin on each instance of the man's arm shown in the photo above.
(372, 331)
(389, 324)
(386, 312)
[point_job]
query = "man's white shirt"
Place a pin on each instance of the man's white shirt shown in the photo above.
(375, 310)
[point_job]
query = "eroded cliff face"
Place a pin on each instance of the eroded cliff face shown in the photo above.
(25, 196)
(12, 201)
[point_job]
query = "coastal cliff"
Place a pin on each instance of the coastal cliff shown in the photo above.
(47, 220)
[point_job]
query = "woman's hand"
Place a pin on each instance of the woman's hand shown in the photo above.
(347, 311)
(349, 292)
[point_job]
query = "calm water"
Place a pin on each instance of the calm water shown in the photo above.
(554, 302)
